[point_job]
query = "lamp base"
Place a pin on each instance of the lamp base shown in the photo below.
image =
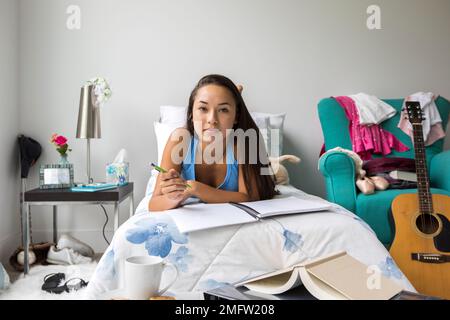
(89, 178)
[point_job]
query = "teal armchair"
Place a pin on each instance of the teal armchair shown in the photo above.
(338, 169)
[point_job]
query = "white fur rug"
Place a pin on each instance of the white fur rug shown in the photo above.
(29, 287)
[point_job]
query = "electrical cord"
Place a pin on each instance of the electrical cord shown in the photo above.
(106, 222)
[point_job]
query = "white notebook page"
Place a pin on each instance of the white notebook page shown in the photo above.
(286, 205)
(201, 216)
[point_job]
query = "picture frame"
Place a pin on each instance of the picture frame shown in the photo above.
(56, 176)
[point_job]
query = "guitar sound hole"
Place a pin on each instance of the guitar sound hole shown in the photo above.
(427, 223)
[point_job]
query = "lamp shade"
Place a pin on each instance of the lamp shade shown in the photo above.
(88, 126)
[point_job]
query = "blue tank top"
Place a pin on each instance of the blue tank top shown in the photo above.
(231, 181)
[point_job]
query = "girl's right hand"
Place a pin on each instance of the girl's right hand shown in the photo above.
(172, 185)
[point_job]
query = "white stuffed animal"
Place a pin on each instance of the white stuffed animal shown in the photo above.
(280, 171)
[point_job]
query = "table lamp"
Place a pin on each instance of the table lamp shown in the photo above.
(88, 126)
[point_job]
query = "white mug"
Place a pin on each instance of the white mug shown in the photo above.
(143, 277)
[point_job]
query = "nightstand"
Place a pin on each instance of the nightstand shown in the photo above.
(56, 197)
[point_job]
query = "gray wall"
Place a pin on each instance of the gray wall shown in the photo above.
(288, 55)
(9, 128)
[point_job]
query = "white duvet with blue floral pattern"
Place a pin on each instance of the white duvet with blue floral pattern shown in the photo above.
(210, 258)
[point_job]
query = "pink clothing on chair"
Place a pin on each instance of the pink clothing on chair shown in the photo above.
(368, 140)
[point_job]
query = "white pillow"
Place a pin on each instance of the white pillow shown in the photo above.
(173, 115)
(271, 121)
(162, 132)
(262, 122)
(151, 183)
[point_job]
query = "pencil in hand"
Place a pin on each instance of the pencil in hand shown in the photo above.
(162, 170)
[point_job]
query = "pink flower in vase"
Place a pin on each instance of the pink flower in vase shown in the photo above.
(60, 140)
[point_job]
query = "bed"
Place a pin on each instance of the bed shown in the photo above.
(211, 258)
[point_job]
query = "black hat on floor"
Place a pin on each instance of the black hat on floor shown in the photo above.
(30, 150)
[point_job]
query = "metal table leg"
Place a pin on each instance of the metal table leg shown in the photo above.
(26, 238)
(55, 228)
(116, 216)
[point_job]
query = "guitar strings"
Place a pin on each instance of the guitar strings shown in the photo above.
(417, 131)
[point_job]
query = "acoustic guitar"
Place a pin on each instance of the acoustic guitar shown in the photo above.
(421, 246)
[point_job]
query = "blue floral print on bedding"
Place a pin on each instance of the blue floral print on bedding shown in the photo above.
(292, 241)
(106, 267)
(181, 259)
(156, 234)
(390, 269)
(211, 284)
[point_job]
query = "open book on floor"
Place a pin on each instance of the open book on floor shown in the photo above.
(335, 277)
(202, 216)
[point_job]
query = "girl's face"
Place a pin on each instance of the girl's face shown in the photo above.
(214, 111)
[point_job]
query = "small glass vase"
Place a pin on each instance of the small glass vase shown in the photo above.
(63, 159)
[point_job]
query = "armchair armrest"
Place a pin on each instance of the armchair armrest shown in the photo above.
(338, 170)
(440, 170)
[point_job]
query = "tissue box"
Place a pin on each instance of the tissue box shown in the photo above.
(117, 173)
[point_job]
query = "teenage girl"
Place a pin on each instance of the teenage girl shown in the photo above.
(215, 107)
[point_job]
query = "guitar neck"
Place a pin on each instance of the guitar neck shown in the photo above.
(423, 184)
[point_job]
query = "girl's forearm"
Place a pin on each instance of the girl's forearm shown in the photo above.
(162, 202)
(202, 191)
(209, 194)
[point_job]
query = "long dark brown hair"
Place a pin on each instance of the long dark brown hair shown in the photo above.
(265, 183)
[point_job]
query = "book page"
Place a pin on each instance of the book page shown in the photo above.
(267, 275)
(287, 205)
(201, 216)
(276, 284)
(318, 288)
(350, 277)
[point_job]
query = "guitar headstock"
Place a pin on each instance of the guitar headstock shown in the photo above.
(414, 112)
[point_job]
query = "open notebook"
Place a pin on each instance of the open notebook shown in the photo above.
(202, 216)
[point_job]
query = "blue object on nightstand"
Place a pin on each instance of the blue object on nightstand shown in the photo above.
(94, 187)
